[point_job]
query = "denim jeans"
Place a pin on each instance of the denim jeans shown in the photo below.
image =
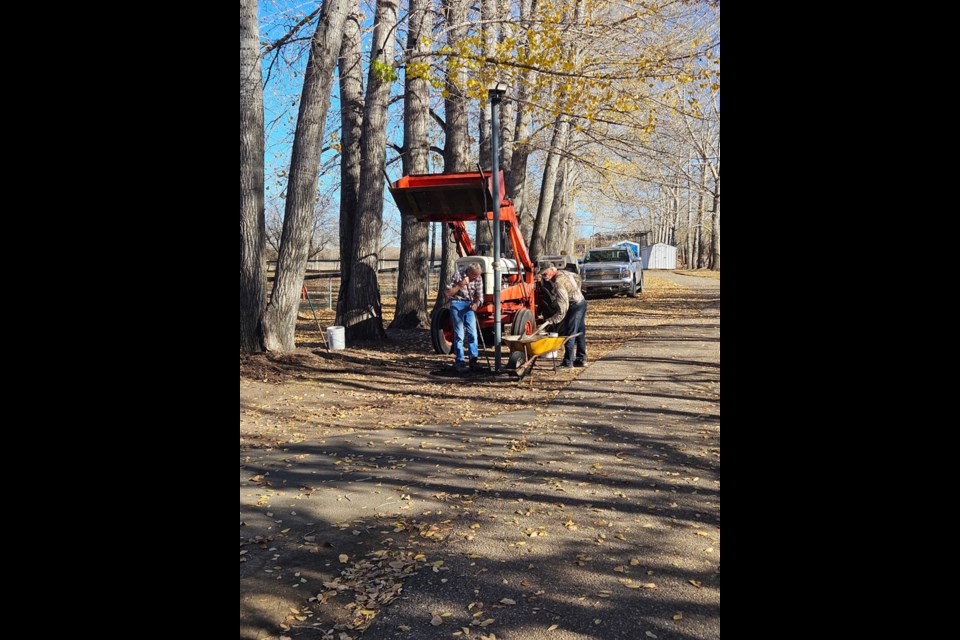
(463, 318)
(574, 322)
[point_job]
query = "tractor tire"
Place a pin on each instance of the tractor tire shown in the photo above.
(524, 323)
(441, 331)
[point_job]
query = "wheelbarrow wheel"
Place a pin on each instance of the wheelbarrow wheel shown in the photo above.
(441, 331)
(517, 358)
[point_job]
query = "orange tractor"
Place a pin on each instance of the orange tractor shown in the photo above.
(454, 199)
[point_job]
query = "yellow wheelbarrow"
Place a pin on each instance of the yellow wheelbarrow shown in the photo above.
(525, 350)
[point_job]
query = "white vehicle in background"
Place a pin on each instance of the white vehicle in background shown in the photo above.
(615, 269)
(568, 263)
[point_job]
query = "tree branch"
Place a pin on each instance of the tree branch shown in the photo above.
(286, 37)
(439, 120)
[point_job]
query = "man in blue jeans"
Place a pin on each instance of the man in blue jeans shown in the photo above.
(465, 293)
(571, 317)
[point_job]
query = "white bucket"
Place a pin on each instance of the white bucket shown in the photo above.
(552, 355)
(337, 338)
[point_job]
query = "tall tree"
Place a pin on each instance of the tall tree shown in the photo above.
(252, 225)
(488, 29)
(351, 129)
(538, 244)
(280, 320)
(456, 147)
(715, 224)
(414, 269)
(363, 315)
(569, 215)
(554, 234)
(522, 147)
(508, 109)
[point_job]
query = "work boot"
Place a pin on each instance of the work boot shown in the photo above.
(566, 364)
(474, 365)
(580, 363)
(460, 367)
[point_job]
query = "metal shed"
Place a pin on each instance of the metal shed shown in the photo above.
(659, 256)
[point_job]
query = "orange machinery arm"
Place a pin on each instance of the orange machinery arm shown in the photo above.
(455, 198)
(460, 234)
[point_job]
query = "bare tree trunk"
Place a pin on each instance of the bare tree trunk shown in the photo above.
(558, 146)
(508, 109)
(456, 148)
(411, 311)
(538, 237)
(688, 255)
(569, 211)
(568, 226)
(554, 238)
(700, 244)
(363, 314)
(715, 226)
(280, 320)
(483, 244)
(252, 224)
(570, 237)
(488, 11)
(675, 222)
(517, 178)
(351, 129)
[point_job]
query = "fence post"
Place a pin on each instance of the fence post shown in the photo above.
(329, 293)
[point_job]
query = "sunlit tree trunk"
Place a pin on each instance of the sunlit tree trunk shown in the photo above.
(363, 315)
(715, 226)
(280, 320)
(351, 129)
(549, 184)
(252, 226)
(456, 149)
(411, 311)
(517, 178)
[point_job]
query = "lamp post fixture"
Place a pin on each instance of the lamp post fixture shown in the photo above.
(496, 92)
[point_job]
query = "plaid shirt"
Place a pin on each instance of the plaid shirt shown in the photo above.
(473, 292)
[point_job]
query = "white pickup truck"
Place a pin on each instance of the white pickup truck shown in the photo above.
(612, 270)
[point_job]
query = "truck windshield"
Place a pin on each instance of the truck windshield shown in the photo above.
(607, 256)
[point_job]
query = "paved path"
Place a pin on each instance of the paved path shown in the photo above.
(597, 517)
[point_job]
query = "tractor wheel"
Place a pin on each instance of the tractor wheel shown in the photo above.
(523, 323)
(441, 331)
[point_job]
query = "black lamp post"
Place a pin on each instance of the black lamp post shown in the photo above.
(496, 95)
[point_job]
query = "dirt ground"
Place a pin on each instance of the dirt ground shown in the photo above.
(316, 393)
(313, 396)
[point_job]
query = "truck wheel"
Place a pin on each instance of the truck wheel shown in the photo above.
(523, 323)
(640, 289)
(633, 287)
(441, 331)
